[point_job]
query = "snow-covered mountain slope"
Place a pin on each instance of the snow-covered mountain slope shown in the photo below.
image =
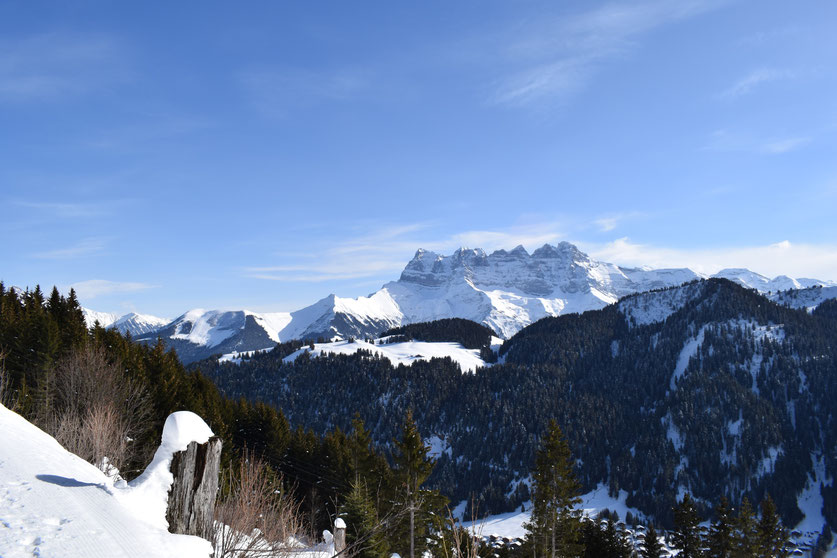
(509, 290)
(139, 324)
(763, 284)
(105, 319)
(55, 504)
(654, 307)
(808, 298)
(200, 333)
(135, 324)
(399, 353)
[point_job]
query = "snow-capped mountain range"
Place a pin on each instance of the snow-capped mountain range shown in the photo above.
(506, 290)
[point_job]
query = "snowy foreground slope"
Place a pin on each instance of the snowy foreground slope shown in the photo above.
(55, 504)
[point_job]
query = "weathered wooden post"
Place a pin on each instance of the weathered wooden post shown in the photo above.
(191, 503)
(339, 536)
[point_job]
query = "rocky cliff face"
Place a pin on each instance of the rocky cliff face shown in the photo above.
(508, 290)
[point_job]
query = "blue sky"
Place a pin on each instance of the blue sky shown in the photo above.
(160, 157)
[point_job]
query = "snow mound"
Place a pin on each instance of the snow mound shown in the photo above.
(182, 428)
(55, 504)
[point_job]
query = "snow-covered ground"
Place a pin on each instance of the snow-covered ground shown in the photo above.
(236, 357)
(400, 353)
(55, 504)
(510, 525)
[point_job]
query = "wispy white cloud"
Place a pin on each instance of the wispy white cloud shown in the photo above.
(68, 210)
(386, 250)
(55, 65)
(726, 140)
(528, 236)
(86, 247)
(379, 252)
(610, 222)
(100, 287)
(785, 145)
(606, 224)
(553, 59)
(276, 91)
(781, 258)
(755, 79)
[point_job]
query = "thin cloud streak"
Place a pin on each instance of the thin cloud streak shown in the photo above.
(68, 210)
(55, 65)
(818, 261)
(556, 59)
(754, 80)
(786, 145)
(385, 252)
(93, 288)
(727, 141)
(608, 223)
(87, 247)
(277, 91)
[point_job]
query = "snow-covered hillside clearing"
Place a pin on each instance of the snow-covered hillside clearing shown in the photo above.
(55, 504)
(399, 353)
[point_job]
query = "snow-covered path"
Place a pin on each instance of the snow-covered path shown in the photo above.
(54, 504)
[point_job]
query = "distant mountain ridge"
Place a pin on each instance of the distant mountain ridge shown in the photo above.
(504, 290)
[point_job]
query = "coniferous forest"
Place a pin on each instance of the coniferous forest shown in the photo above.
(750, 411)
(745, 416)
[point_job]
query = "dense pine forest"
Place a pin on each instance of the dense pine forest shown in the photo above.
(707, 388)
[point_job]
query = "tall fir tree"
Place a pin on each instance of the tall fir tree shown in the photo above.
(413, 465)
(364, 533)
(686, 534)
(719, 540)
(555, 525)
(652, 547)
(744, 539)
(772, 535)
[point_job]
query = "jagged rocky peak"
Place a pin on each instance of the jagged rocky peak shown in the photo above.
(469, 257)
(423, 268)
(563, 250)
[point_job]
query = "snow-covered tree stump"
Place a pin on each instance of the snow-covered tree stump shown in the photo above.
(339, 536)
(191, 502)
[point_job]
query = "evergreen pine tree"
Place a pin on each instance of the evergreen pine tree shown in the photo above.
(555, 525)
(772, 535)
(364, 535)
(652, 548)
(745, 536)
(686, 535)
(719, 541)
(412, 467)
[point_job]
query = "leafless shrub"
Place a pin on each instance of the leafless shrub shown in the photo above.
(95, 410)
(464, 542)
(256, 518)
